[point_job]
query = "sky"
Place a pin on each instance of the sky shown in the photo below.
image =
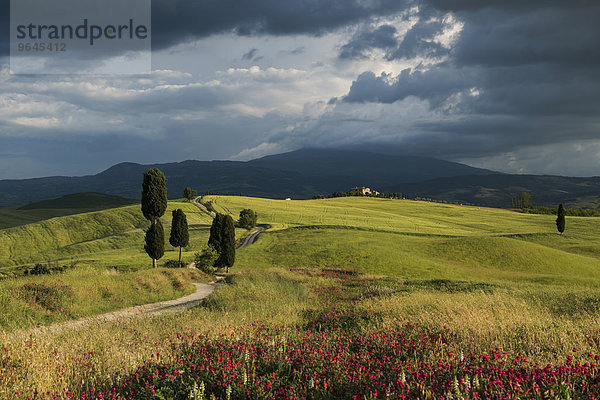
(508, 85)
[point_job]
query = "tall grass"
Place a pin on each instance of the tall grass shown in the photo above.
(477, 320)
(29, 302)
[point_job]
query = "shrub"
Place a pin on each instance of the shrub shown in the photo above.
(247, 219)
(40, 269)
(206, 259)
(172, 264)
(48, 268)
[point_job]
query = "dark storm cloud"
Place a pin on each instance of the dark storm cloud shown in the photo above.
(562, 36)
(520, 74)
(383, 37)
(433, 85)
(509, 5)
(418, 41)
(176, 20)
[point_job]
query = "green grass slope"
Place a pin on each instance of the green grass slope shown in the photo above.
(109, 238)
(68, 205)
(390, 215)
(419, 240)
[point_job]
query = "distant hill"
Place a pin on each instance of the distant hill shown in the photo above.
(303, 173)
(497, 190)
(67, 205)
(298, 174)
(81, 201)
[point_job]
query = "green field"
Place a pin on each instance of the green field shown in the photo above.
(418, 239)
(111, 238)
(68, 205)
(488, 277)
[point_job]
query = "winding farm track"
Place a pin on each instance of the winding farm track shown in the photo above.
(251, 238)
(203, 290)
(203, 207)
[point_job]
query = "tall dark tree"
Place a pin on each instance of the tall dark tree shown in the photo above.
(155, 241)
(154, 194)
(190, 193)
(154, 205)
(227, 253)
(247, 219)
(560, 219)
(180, 236)
(216, 228)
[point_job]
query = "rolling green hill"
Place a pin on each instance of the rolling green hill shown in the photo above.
(421, 240)
(67, 205)
(109, 238)
(481, 281)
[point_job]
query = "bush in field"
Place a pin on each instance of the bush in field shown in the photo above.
(40, 269)
(205, 260)
(48, 268)
(247, 219)
(171, 264)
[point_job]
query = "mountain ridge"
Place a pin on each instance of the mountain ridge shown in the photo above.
(306, 172)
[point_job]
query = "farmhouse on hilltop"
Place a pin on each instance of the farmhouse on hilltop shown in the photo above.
(363, 191)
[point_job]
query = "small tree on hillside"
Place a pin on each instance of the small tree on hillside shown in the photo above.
(560, 219)
(154, 205)
(525, 199)
(190, 193)
(155, 242)
(247, 219)
(227, 253)
(179, 232)
(214, 240)
(205, 260)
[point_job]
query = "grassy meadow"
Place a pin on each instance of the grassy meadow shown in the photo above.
(109, 239)
(370, 297)
(68, 205)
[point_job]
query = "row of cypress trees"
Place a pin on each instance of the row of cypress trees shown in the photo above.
(154, 205)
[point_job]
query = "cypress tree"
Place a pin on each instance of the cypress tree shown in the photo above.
(154, 205)
(560, 219)
(154, 194)
(179, 232)
(227, 253)
(214, 240)
(155, 241)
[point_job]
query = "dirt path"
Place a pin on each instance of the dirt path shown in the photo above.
(203, 207)
(251, 238)
(203, 290)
